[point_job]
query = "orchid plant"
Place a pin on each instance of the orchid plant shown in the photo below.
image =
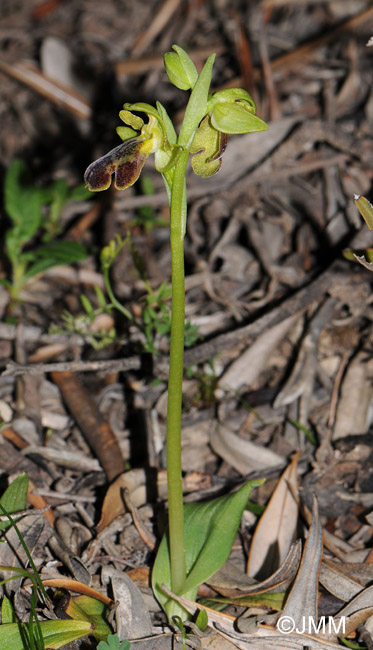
(183, 560)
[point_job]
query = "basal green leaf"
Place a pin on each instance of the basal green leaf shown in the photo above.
(210, 529)
(7, 612)
(56, 634)
(23, 202)
(79, 193)
(59, 191)
(14, 187)
(14, 498)
(85, 608)
(54, 254)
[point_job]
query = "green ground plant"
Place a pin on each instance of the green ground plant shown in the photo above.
(146, 217)
(199, 536)
(86, 615)
(30, 240)
(154, 321)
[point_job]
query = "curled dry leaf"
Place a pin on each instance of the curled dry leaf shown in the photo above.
(231, 583)
(131, 614)
(263, 637)
(277, 527)
(302, 376)
(302, 600)
(113, 505)
(65, 458)
(336, 580)
(353, 412)
(243, 455)
(358, 610)
(245, 369)
(35, 531)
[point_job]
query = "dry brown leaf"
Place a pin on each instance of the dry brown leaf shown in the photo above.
(113, 505)
(35, 531)
(131, 614)
(336, 580)
(65, 458)
(357, 610)
(302, 600)
(353, 410)
(243, 455)
(303, 374)
(265, 637)
(248, 366)
(277, 527)
(232, 583)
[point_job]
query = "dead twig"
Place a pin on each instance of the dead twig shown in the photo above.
(15, 369)
(97, 432)
(55, 92)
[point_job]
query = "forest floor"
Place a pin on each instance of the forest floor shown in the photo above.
(279, 358)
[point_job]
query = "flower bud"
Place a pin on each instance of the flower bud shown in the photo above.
(180, 69)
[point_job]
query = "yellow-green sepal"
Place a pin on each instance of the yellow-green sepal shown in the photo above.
(233, 118)
(232, 95)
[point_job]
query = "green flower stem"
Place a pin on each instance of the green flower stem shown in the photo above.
(174, 479)
(114, 301)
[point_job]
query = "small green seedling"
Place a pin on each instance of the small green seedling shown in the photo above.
(34, 213)
(113, 643)
(183, 561)
(83, 323)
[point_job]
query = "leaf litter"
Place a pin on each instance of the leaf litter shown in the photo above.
(288, 319)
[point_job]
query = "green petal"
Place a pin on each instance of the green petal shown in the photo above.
(236, 118)
(125, 132)
(133, 120)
